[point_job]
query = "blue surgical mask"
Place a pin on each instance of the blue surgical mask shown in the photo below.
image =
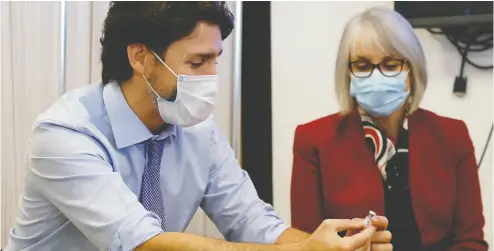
(379, 95)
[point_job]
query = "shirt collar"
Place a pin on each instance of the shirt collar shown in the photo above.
(127, 128)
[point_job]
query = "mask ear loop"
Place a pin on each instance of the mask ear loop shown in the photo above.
(156, 55)
(149, 84)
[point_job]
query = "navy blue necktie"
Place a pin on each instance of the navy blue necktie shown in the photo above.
(151, 197)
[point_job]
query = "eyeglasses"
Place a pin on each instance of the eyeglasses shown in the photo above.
(363, 68)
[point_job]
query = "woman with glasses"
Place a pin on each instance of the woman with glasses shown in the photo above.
(381, 152)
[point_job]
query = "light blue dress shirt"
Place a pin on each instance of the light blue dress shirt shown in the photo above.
(85, 160)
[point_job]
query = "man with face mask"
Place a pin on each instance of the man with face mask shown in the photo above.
(123, 165)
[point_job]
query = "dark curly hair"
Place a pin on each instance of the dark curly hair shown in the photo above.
(156, 25)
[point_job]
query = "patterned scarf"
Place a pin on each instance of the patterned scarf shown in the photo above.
(382, 147)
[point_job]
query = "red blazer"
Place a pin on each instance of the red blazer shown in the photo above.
(335, 177)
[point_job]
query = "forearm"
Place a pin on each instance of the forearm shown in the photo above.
(292, 235)
(189, 242)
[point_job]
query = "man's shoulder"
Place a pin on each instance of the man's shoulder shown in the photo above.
(80, 111)
(75, 108)
(72, 125)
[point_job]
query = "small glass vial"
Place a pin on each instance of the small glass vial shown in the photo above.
(367, 220)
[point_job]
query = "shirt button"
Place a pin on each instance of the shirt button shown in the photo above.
(389, 188)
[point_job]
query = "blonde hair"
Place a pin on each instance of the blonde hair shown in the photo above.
(388, 31)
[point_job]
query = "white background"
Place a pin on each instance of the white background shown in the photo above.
(305, 39)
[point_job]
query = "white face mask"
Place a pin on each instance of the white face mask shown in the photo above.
(195, 101)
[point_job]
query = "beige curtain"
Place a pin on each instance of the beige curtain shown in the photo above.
(30, 81)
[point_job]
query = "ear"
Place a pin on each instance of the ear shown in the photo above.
(138, 55)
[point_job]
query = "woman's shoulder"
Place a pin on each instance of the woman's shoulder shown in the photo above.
(442, 123)
(451, 132)
(325, 121)
(320, 128)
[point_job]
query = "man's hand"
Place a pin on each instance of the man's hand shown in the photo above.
(326, 236)
(381, 238)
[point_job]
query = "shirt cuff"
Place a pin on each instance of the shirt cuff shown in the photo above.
(135, 231)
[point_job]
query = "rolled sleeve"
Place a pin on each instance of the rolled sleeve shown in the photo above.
(136, 230)
(232, 202)
(69, 168)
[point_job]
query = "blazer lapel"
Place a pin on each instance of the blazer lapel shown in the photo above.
(355, 154)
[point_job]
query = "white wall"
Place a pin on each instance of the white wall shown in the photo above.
(305, 39)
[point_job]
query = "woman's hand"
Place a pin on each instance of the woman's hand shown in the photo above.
(326, 236)
(381, 238)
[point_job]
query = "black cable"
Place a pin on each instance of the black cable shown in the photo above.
(461, 51)
(474, 46)
(486, 146)
(464, 42)
(474, 38)
(464, 59)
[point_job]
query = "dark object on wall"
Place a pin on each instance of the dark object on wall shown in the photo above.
(460, 86)
(431, 14)
(466, 24)
(256, 97)
(467, 39)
